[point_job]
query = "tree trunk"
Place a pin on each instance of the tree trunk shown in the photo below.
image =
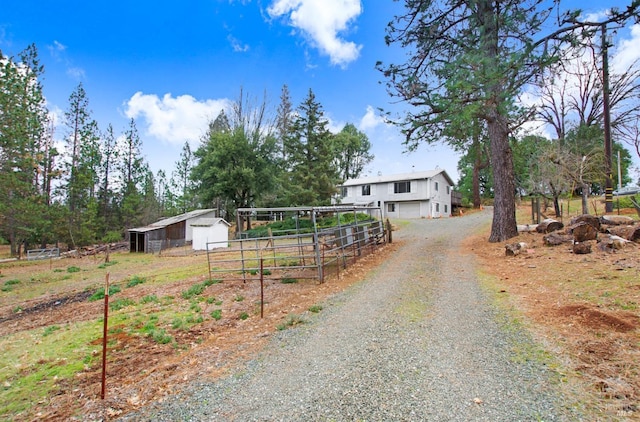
(626, 232)
(585, 198)
(504, 225)
(549, 225)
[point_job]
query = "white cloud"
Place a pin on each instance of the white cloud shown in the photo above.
(627, 51)
(174, 119)
(322, 21)
(370, 120)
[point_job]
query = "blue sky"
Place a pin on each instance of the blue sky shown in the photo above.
(174, 65)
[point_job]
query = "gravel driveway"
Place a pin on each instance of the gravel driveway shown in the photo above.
(416, 341)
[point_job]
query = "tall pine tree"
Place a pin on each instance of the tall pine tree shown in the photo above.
(313, 175)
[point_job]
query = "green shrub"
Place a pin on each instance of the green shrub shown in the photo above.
(73, 269)
(112, 237)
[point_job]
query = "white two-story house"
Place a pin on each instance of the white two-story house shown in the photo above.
(425, 194)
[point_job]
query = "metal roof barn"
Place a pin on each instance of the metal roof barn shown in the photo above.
(166, 233)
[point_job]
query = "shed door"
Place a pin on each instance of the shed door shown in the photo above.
(409, 210)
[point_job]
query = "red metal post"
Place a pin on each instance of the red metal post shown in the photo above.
(104, 338)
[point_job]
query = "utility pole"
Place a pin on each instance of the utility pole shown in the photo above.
(608, 192)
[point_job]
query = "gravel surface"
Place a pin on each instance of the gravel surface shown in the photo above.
(416, 341)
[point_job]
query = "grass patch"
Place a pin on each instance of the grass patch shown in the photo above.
(211, 282)
(33, 371)
(194, 290)
(239, 298)
(159, 335)
(291, 321)
(135, 280)
(216, 314)
(107, 264)
(7, 286)
(121, 303)
(315, 308)
(50, 329)
(149, 299)
(73, 269)
(99, 294)
(288, 280)
(244, 316)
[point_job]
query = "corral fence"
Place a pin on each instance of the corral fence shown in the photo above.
(46, 253)
(299, 242)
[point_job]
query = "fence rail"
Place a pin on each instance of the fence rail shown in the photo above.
(299, 255)
(35, 254)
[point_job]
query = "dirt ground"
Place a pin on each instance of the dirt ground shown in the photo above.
(590, 326)
(584, 308)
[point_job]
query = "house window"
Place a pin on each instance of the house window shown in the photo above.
(401, 187)
(366, 190)
(344, 192)
(448, 189)
(391, 207)
(446, 208)
(436, 186)
(437, 207)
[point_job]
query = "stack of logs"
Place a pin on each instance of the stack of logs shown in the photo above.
(609, 232)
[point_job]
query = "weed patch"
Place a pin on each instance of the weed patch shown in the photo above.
(149, 299)
(315, 308)
(288, 280)
(49, 330)
(121, 303)
(217, 314)
(99, 294)
(194, 290)
(291, 321)
(135, 280)
(73, 269)
(107, 264)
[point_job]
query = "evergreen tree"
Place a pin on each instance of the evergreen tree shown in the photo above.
(106, 196)
(133, 171)
(22, 133)
(313, 175)
(284, 120)
(181, 180)
(83, 161)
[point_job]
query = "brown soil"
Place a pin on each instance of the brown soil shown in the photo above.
(586, 308)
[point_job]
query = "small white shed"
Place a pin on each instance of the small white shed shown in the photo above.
(214, 231)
